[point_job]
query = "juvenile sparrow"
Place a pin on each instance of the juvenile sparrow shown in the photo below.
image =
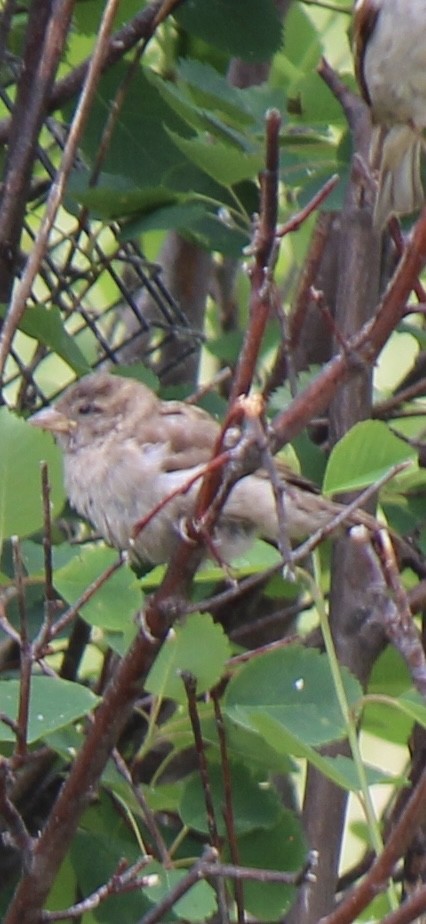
(126, 451)
(390, 65)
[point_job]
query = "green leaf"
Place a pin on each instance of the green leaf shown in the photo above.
(390, 674)
(87, 13)
(227, 346)
(141, 152)
(340, 770)
(248, 747)
(391, 721)
(54, 703)
(363, 456)
(139, 372)
(22, 449)
(343, 771)
(242, 28)
(211, 90)
(223, 163)
(47, 326)
(258, 557)
(180, 101)
(116, 195)
(198, 904)
(184, 217)
(417, 332)
(302, 42)
(95, 855)
(282, 848)
(254, 807)
(318, 173)
(278, 734)
(292, 688)
(413, 705)
(63, 891)
(318, 107)
(115, 603)
(201, 647)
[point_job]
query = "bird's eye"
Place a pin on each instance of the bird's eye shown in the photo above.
(89, 408)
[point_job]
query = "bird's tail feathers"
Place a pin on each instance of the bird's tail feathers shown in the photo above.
(400, 189)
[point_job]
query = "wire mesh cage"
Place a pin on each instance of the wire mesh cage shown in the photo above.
(111, 303)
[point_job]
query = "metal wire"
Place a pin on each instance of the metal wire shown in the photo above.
(110, 297)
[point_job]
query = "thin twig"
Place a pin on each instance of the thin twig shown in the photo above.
(148, 816)
(296, 221)
(190, 688)
(122, 881)
(397, 618)
(218, 462)
(305, 548)
(49, 592)
(19, 836)
(26, 657)
(7, 627)
(87, 595)
(264, 250)
(416, 390)
(159, 913)
(255, 874)
(398, 239)
(228, 812)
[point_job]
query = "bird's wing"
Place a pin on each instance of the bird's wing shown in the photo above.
(293, 478)
(187, 432)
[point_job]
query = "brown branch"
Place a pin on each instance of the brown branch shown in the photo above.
(375, 880)
(363, 348)
(397, 618)
(47, 28)
(141, 27)
(355, 109)
(264, 248)
(398, 239)
(261, 299)
(410, 910)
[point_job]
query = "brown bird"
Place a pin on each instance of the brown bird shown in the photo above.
(126, 451)
(390, 64)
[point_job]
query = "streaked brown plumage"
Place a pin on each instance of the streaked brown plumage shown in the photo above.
(125, 451)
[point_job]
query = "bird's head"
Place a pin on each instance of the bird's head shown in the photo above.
(94, 408)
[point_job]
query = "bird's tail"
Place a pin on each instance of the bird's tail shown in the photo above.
(400, 189)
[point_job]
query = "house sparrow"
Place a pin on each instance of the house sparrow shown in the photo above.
(126, 450)
(390, 65)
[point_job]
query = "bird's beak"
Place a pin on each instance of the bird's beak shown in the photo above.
(51, 419)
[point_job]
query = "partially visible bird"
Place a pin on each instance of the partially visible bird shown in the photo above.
(126, 451)
(390, 64)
